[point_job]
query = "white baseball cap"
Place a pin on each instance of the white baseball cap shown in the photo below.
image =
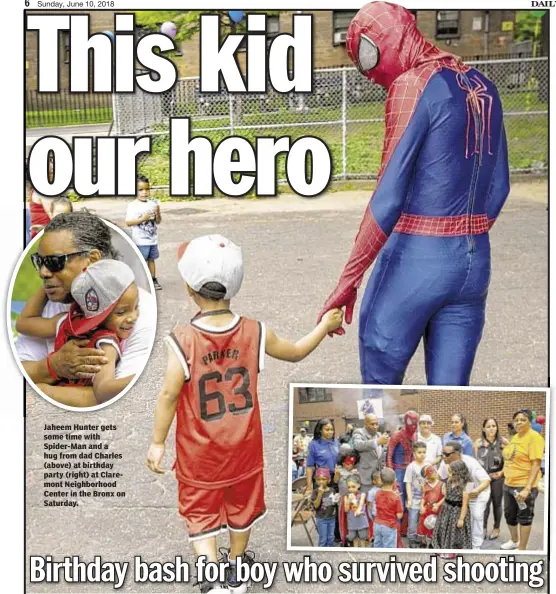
(97, 291)
(211, 259)
(426, 419)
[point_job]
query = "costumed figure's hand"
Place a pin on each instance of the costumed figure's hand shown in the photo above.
(368, 243)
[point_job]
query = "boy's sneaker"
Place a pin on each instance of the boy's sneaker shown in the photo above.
(509, 545)
(156, 284)
(234, 585)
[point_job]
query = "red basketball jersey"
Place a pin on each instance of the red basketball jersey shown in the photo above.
(219, 434)
(64, 334)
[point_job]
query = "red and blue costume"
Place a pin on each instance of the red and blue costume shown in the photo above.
(443, 180)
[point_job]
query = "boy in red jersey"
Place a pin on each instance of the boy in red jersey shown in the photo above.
(211, 387)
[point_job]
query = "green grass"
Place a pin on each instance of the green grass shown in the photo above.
(67, 117)
(27, 281)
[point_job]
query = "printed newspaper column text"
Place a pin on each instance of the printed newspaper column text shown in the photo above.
(78, 464)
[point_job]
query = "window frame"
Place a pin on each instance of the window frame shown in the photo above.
(338, 29)
(440, 35)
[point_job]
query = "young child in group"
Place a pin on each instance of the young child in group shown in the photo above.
(56, 206)
(453, 526)
(211, 387)
(389, 511)
(430, 504)
(414, 483)
(105, 310)
(324, 500)
(354, 514)
(143, 216)
(371, 496)
(344, 469)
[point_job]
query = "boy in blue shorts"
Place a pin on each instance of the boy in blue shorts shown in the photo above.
(143, 216)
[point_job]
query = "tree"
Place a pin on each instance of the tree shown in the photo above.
(525, 25)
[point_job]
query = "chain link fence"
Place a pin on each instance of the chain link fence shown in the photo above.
(344, 110)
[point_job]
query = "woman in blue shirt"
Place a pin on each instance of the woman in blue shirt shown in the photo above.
(459, 433)
(323, 450)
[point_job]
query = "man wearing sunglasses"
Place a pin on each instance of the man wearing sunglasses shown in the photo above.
(478, 488)
(70, 243)
(443, 180)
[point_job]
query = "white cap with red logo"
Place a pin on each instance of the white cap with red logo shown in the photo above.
(211, 259)
(97, 291)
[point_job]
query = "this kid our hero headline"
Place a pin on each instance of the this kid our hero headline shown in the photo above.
(236, 165)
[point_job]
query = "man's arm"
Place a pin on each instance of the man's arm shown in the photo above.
(361, 444)
(31, 322)
(407, 124)
(77, 396)
(284, 350)
(105, 385)
(500, 185)
(72, 361)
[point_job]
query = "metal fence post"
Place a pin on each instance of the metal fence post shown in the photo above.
(231, 103)
(344, 123)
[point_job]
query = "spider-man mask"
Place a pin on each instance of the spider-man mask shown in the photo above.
(383, 42)
(411, 422)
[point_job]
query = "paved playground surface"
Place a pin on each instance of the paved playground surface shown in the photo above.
(294, 251)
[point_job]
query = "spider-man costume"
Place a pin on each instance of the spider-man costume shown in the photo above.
(442, 182)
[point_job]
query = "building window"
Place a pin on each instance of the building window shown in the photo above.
(340, 23)
(272, 31)
(307, 395)
(447, 24)
(66, 42)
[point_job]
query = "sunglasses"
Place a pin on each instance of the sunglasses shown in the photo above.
(53, 263)
(446, 454)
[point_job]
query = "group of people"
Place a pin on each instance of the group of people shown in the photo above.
(370, 486)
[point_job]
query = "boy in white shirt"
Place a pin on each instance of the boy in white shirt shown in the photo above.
(143, 216)
(414, 484)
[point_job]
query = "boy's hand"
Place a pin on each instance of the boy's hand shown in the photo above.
(154, 457)
(460, 524)
(435, 507)
(322, 488)
(333, 319)
(409, 503)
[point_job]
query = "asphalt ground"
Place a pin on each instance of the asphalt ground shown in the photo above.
(294, 251)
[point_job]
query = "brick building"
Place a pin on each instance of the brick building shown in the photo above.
(470, 33)
(340, 405)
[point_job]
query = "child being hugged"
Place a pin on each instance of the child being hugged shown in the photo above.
(453, 526)
(324, 499)
(210, 387)
(355, 514)
(389, 511)
(143, 216)
(104, 311)
(430, 504)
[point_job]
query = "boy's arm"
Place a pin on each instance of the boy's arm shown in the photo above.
(318, 499)
(105, 385)
(165, 410)
(284, 350)
(132, 222)
(157, 215)
(30, 321)
(78, 396)
(409, 491)
(399, 514)
(361, 503)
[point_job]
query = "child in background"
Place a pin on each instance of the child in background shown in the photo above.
(325, 502)
(210, 387)
(143, 216)
(430, 504)
(354, 509)
(389, 511)
(414, 483)
(344, 469)
(453, 526)
(53, 207)
(371, 501)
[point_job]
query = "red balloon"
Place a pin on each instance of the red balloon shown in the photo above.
(541, 419)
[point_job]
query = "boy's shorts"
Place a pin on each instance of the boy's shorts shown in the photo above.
(207, 512)
(149, 252)
(362, 533)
